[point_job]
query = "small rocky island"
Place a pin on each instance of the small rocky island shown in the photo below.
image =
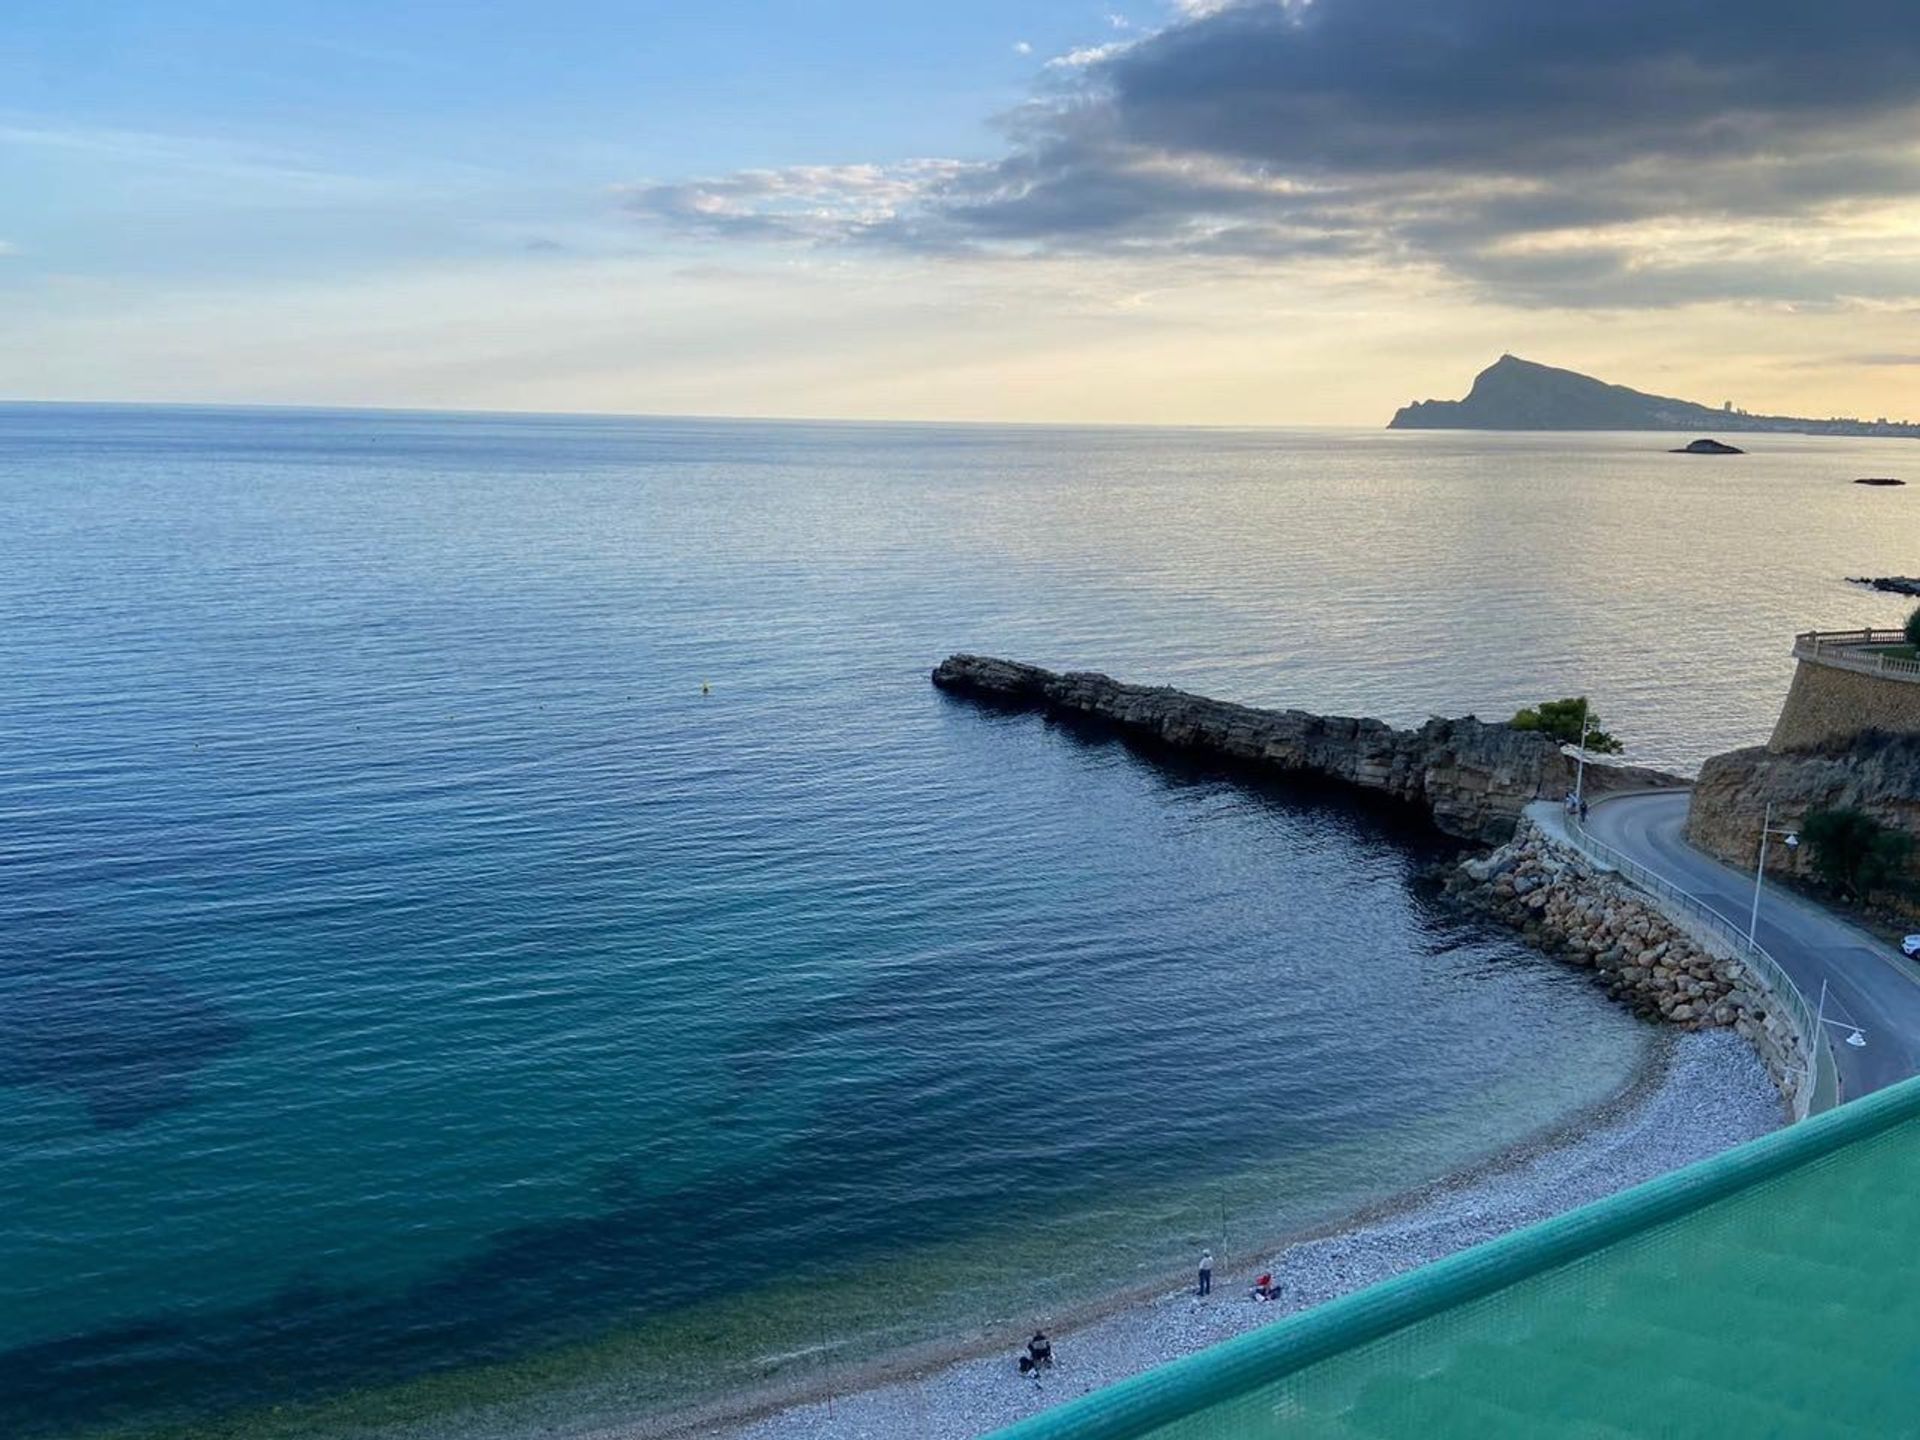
(1879, 480)
(1707, 447)
(1892, 584)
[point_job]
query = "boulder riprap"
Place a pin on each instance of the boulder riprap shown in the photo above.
(1568, 908)
(1475, 778)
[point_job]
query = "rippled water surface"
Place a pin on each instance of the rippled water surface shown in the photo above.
(420, 1002)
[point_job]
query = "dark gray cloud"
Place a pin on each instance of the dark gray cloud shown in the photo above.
(1633, 152)
(1513, 87)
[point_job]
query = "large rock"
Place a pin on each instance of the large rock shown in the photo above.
(1474, 777)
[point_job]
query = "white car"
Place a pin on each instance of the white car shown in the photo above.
(1910, 947)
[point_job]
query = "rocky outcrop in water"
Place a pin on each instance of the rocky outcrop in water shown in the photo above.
(1892, 584)
(1707, 447)
(1473, 777)
(1873, 772)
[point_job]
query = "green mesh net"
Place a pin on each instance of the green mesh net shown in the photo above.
(1773, 1290)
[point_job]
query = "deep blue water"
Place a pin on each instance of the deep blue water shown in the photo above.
(408, 973)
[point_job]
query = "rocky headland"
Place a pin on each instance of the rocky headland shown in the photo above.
(1516, 394)
(1474, 777)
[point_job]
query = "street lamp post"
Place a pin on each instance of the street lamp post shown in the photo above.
(1580, 766)
(1856, 1037)
(1791, 839)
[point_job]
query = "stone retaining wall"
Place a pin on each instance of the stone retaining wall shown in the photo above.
(1660, 968)
(1827, 703)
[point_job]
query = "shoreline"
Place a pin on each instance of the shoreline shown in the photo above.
(1697, 1094)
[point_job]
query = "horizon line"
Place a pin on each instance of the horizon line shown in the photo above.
(259, 406)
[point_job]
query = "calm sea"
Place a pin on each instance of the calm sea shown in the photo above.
(424, 1003)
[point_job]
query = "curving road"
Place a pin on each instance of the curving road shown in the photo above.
(1869, 983)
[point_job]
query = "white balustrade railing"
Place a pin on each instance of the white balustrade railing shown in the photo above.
(1858, 650)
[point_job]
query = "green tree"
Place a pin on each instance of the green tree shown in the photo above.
(1856, 854)
(1562, 720)
(1913, 628)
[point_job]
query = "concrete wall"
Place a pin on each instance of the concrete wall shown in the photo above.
(1827, 703)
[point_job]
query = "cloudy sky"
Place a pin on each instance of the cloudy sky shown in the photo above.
(1181, 211)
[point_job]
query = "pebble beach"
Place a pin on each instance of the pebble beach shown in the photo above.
(1709, 1091)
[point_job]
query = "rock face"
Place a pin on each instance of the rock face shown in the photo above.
(1475, 778)
(1707, 447)
(1877, 773)
(1565, 906)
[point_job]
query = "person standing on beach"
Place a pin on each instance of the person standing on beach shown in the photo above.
(1206, 1273)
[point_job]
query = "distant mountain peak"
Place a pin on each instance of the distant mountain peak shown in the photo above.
(1517, 394)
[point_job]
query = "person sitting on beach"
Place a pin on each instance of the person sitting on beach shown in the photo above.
(1040, 1349)
(1265, 1289)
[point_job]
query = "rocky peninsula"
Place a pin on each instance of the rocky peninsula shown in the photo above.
(1474, 777)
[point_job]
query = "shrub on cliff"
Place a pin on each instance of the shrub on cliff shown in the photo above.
(1855, 853)
(1562, 720)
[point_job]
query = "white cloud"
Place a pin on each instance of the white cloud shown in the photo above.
(1088, 55)
(799, 202)
(1023, 47)
(7, 247)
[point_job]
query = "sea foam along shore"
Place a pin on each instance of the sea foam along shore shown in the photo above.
(1709, 1091)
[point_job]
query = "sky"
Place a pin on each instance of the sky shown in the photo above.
(1177, 212)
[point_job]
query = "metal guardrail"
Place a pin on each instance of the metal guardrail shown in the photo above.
(1851, 650)
(1824, 1091)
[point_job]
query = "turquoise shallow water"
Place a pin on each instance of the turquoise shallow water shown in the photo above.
(415, 992)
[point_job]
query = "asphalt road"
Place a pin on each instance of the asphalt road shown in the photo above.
(1869, 983)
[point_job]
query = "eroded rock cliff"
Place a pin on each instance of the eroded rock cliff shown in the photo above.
(1475, 778)
(1875, 773)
